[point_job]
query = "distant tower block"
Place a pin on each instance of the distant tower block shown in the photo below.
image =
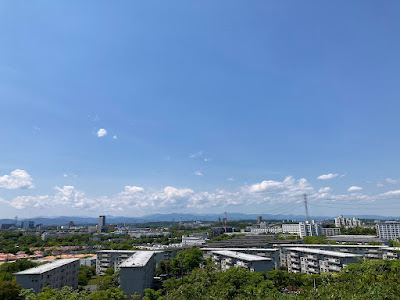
(101, 227)
(259, 219)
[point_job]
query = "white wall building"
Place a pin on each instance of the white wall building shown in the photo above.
(347, 222)
(389, 230)
(228, 259)
(307, 228)
(315, 261)
(263, 252)
(137, 272)
(57, 274)
(111, 259)
(329, 231)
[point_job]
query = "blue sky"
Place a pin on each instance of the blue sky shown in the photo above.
(209, 106)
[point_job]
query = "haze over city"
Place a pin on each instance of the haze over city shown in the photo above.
(184, 107)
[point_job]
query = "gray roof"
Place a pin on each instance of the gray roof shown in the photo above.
(139, 259)
(242, 256)
(333, 246)
(47, 267)
(241, 249)
(117, 251)
(323, 252)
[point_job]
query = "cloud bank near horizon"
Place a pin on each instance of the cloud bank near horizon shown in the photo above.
(289, 190)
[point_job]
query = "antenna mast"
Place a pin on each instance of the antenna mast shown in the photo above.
(306, 206)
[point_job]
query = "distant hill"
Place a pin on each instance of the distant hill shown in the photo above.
(177, 217)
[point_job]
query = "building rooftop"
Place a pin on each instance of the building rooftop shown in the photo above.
(333, 246)
(139, 259)
(47, 267)
(117, 251)
(240, 249)
(323, 252)
(242, 256)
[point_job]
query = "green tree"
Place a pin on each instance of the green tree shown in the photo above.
(9, 290)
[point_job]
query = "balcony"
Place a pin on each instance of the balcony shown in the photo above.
(335, 268)
(312, 263)
(334, 260)
(313, 257)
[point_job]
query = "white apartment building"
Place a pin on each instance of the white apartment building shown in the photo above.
(315, 261)
(111, 259)
(330, 231)
(57, 274)
(228, 259)
(389, 230)
(307, 228)
(137, 272)
(263, 252)
(193, 240)
(364, 251)
(341, 221)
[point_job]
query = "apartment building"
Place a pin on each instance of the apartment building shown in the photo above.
(57, 274)
(307, 228)
(137, 272)
(389, 230)
(111, 259)
(364, 251)
(347, 222)
(357, 239)
(228, 259)
(330, 231)
(263, 252)
(315, 261)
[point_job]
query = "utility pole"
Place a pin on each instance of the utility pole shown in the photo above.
(306, 207)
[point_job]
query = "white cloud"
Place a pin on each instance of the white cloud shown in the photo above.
(326, 189)
(101, 132)
(196, 155)
(170, 198)
(18, 179)
(327, 176)
(115, 137)
(269, 190)
(391, 180)
(198, 173)
(230, 179)
(392, 193)
(379, 184)
(354, 189)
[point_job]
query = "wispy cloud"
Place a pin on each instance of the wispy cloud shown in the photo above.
(196, 155)
(391, 180)
(354, 189)
(327, 176)
(198, 173)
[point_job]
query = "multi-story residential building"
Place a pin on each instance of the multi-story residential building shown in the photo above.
(111, 259)
(347, 222)
(315, 261)
(389, 230)
(330, 231)
(263, 252)
(228, 259)
(192, 240)
(62, 272)
(364, 251)
(137, 272)
(101, 226)
(357, 239)
(28, 224)
(307, 228)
